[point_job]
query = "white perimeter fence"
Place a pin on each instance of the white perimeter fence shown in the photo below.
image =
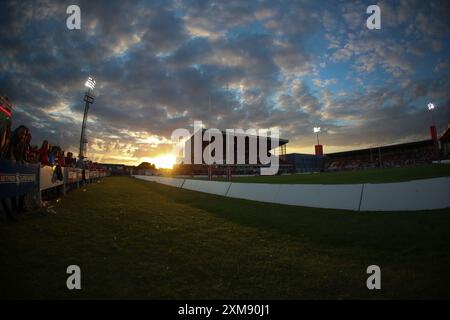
(72, 177)
(426, 194)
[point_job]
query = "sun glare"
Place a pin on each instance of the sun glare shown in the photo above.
(165, 161)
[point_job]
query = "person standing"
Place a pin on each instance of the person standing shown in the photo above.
(43, 153)
(16, 153)
(5, 132)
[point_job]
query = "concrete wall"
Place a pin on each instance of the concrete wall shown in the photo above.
(415, 195)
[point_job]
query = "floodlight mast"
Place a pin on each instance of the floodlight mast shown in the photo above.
(316, 131)
(431, 108)
(88, 99)
(433, 129)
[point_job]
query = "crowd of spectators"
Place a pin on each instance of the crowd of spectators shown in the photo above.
(16, 146)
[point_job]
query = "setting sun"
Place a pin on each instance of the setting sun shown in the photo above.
(165, 161)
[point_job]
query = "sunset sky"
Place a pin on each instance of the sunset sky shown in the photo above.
(160, 65)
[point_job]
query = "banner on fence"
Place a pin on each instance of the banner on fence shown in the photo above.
(73, 175)
(16, 179)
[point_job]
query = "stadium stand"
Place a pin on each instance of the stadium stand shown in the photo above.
(397, 155)
(445, 143)
(305, 162)
(220, 170)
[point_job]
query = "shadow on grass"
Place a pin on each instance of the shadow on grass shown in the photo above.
(137, 239)
(387, 231)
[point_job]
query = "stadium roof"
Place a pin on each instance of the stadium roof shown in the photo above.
(280, 140)
(445, 137)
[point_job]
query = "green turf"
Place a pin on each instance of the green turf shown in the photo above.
(354, 176)
(138, 239)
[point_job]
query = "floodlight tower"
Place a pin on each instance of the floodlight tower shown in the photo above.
(318, 146)
(433, 130)
(88, 99)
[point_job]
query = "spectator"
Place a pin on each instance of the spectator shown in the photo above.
(70, 161)
(17, 152)
(43, 153)
(16, 146)
(61, 158)
(5, 131)
(30, 151)
(58, 162)
(48, 153)
(52, 155)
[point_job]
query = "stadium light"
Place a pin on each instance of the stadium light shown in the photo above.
(433, 129)
(431, 108)
(316, 131)
(88, 99)
(90, 83)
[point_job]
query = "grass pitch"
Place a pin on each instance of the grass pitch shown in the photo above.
(138, 239)
(353, 176)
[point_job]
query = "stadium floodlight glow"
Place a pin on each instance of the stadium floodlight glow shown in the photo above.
(90, 83)
(88, 99)
(316, 129)
(430, 106)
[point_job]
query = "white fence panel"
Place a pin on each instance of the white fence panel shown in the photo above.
(171, 181)
(346, 197)
(254, 191)
(47, 180)
(213, 187)
(403, 196)
(174, 182)
(147, 178)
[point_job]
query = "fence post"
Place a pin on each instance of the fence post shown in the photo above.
(38, 185)
(65, 178)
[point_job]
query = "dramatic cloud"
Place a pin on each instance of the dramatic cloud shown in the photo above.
(160, 65)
